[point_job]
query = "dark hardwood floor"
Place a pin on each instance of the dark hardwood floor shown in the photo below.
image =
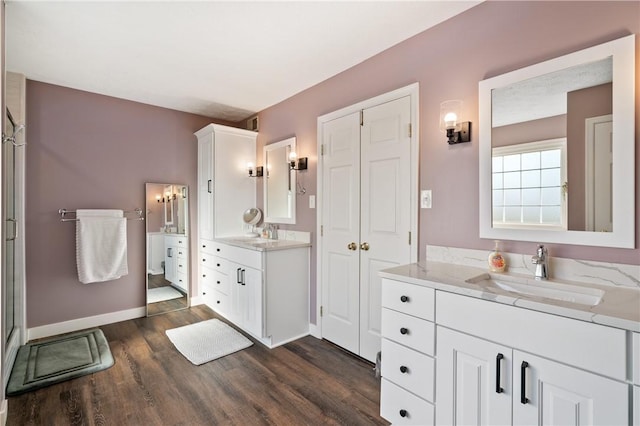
(306, 382)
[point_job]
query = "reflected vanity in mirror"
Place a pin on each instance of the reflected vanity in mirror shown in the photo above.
(557, 149)
(167, 247)
(279, 183)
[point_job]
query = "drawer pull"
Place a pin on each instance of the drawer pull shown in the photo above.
(217, 282)
(204, 260)
(217, 249)
(204, 275)
(204, 246)
(218, 265)
(403, 413)
(404, 299)
(499, 358)
(523, 382)
(403, 369)
(218, 302)
(404, 331)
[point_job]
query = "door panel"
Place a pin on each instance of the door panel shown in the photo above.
(385, 208)
(340, 219)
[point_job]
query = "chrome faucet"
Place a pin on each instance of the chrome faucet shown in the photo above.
(540, 260)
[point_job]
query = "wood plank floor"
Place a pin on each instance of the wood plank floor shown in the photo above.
(306, 382)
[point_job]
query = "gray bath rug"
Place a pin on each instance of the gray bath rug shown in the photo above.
(207, 340)
(57, 359)
(160, 294)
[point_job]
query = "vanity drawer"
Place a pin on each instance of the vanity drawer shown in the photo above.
(181, 252)
(395, 401)
(216, 263)
(409, 331)
(409, 298)
(215, 300)
(209, 247)
(181, 265)
(242, 256)
(408, 369)
(181, 281)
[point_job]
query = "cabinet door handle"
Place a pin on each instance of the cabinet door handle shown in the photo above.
(404, 330)
(403, 369)
(243, 281)
(209, 186)
(499, 358)
(403, 413)
(15, 229)
(364, 246)
(523, 382)
(170, 252)
(238, 276)
(404, 299)
(352, 246)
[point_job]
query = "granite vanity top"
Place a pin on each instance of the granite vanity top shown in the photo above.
(619, 307)
(262, 244)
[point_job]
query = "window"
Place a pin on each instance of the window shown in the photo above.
(529, 184)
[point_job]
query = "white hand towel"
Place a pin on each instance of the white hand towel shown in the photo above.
(101, 245)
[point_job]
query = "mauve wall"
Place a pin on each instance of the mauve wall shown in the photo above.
(91, 151)
(448, 61)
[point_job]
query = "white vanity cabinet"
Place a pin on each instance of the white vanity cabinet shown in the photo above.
(264, 292)
(408, 366)
(225, 191)
(496, 364)
(176, 260)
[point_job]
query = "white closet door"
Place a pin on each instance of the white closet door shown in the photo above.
(341, 224)
(385, 206)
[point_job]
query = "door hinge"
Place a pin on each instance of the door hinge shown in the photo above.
(362, 117)
(409, 237)
(321, 230)
(321, 311)
(410, 130)
(322, 149)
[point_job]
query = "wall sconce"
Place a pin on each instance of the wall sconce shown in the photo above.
(258, 170)
(296, 163)
(158, 198)
(457, 131)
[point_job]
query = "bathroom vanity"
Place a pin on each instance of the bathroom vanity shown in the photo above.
(260, 285)
(458, 349)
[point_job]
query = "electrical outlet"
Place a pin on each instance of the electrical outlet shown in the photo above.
(312, 201)
(425, 199)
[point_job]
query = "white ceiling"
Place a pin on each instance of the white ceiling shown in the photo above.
(224, 60)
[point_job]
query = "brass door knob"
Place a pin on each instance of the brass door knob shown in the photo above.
(364, 246)
(352, 246)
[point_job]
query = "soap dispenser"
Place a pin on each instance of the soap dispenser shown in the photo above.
(497, 262)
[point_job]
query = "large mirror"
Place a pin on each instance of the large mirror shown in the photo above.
(167, 247)
(557, 146)
(279, 183)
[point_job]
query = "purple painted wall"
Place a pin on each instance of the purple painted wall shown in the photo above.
(448, 61)
(92, 151)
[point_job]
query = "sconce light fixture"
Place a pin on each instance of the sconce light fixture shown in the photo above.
(158, 198)
(457, 131)
(258, 170)
(296, 163)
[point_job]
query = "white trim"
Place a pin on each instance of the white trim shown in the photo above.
(590, 141)
(84, 323)
(293, 176)
(4, 411)
(314, 331)
(413, 91)
(196, 300)
(623, 235)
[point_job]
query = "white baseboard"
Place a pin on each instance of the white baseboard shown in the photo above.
(196, 300)
(83, 323)
(314, 330)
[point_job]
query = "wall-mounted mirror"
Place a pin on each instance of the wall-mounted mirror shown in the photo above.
(167, 247)
(279, 183)
(557, 149)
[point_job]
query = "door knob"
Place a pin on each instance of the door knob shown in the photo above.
(352, 246)
(364, 246)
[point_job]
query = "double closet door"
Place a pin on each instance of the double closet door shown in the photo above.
(365, 217)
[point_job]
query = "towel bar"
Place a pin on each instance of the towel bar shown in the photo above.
(64, 212)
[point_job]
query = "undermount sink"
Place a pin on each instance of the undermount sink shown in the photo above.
(548, 289)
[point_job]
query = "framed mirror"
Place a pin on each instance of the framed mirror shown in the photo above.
(167, 247)
(279, 183)
(557, 145)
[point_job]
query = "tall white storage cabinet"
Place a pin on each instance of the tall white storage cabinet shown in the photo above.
(225, 189)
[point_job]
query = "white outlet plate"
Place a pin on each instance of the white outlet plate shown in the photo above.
(312, 201)
(425, 199)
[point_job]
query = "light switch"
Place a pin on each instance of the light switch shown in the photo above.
(312, 201)
(425, 199)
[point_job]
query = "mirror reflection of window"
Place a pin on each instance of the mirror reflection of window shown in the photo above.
(529, 184)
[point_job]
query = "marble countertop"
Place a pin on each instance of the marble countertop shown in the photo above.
(619, 307)
(262, 244)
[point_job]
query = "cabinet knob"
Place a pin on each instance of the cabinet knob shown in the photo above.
(352, 246)
(217, 282)
(218, 249)
(364, 246)
(204, 275)
(404, 330)
(404, 299)
(218, 265)
(204, 260)
(403, 369)
(218, 302)
(204, 246)
(403, 413)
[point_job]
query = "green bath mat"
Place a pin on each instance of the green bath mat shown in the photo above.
(58, 359)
